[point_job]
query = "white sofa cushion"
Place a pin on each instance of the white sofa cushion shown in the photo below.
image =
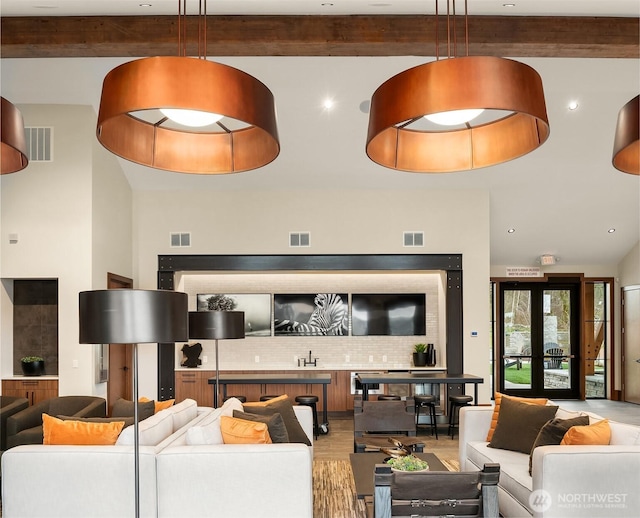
(208, 430)
(182, 413)
(152, 430)
(624, 434)
(514, 468)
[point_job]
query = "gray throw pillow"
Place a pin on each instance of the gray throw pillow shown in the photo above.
(553, 431)
(124, 408)
(285, 409)
(518, 425)
(275, 424)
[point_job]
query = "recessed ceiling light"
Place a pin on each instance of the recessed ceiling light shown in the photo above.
(328, 104)
(145, 5)
(508, 5)
(573, 105)
(611, 230)
(326, 4)
(511, 230)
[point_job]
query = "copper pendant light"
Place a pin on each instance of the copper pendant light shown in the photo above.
(131, 126)
(511, 92)
(626, 145)
(13, 151)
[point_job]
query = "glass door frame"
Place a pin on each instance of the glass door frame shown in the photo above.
(536, 388)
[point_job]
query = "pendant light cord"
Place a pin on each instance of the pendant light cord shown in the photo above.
(452, 32)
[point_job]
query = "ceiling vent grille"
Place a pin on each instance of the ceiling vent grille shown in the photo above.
(413, 238)
(297, 239)
(39, 144)
(180, 239)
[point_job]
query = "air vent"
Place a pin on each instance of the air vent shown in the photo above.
(413, 238)
(299, 239)
(39, 144)
(180, 239)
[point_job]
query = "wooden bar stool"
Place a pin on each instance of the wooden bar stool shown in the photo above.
(388, 397)
(312, 401)
(428, 401)
(268, 397)
(455, 402)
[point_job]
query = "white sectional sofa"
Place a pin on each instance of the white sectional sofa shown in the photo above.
(176, 479)
(566, 481)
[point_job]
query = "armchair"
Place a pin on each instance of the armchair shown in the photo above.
(435, 493)
(25, 427)
(9, 405)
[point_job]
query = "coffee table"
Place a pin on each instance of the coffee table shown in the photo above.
(363, 466)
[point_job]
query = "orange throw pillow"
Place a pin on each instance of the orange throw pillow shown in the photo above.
(57, 431)
(241, 431)
(496, 409)
(597, 433)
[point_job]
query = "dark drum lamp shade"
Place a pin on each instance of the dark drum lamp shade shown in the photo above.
(216, 325)
(125, 316)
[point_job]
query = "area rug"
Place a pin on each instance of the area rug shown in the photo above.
(334, 492)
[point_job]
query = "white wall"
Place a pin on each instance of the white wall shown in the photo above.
(630, 267)
(50, 206)
(340, 221)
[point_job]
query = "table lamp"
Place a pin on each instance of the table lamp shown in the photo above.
(127, 316)
(216, 325)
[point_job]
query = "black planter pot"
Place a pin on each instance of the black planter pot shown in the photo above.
(419, 359)
(33, 368)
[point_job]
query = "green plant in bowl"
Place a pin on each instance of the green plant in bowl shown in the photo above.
(420, 348)
(408, 463)
(31, 359)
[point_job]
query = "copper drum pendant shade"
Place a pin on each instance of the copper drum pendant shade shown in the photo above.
(13, 150)
(461, 83)
(186, 83)
(626, 146)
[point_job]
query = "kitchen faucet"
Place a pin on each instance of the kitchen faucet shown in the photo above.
(306, 363)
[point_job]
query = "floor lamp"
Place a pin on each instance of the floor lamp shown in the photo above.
(126, 316)
(216, 325)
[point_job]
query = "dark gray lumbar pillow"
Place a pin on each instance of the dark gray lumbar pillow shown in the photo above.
(275, 424)
(553, 431)
(124, 408)
(518, 425)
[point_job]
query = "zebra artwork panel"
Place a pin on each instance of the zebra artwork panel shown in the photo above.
(320, 314)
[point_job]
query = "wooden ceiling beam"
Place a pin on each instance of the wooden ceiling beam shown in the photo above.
(401, 35)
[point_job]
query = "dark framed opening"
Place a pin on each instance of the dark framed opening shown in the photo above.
(169, 265)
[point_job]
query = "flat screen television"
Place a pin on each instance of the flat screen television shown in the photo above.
(399, 314)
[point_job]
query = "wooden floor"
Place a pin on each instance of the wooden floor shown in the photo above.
(338, 443)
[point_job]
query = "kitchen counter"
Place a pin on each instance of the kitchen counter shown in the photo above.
(322, 367)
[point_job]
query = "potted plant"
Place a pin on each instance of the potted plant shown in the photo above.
(420, 355)
(32, 365)
(408, 463)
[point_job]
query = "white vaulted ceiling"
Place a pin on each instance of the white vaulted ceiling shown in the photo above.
(561, 199)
